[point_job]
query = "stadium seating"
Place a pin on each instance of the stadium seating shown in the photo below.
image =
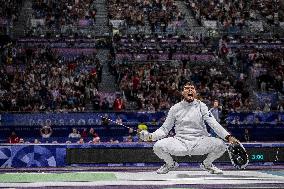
(71, 61)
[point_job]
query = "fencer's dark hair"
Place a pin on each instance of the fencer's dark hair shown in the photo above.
(188, 83)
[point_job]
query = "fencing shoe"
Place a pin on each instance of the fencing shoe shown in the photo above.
(211, 169)
(166, 168)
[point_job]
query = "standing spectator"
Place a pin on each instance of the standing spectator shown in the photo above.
(74, 134)
(135, 84)
(216, 112)
(246, 135)
(280, 107)
(13, 138)
(84, 133)
(96, 102)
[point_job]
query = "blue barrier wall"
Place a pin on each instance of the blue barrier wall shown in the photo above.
(32, 155)
(48, 155)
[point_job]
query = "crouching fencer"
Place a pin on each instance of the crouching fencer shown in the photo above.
(191, 136)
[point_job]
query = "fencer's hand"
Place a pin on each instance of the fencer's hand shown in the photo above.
(145, 136)
(233, 140)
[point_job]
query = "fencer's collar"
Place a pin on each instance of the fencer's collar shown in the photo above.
(189, 103)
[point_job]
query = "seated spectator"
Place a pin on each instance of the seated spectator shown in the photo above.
(46, 131)
(267, 106)
(81, 141)
(141, 127)
(113, 141)
(75, 134)
(13, 138)
(236, 121)
(21, 141)
(95, 140)
(257, 120)
(134, 135)
(92, 133)
(36, 141)
(129, 138)
(154, 122)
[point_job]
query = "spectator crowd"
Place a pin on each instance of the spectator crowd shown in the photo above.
(47, 83)
(57, 14)
(236, 13)
(158, 13)
(240, 73)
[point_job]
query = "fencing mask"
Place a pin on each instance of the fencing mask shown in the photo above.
(238, 155)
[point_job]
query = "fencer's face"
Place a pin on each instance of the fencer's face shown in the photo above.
(189, 93)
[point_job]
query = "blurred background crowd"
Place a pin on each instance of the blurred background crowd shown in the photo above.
(117, 56)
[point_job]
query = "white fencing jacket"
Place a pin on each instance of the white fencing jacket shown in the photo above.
(189, 121)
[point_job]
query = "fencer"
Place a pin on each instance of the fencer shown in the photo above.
(188, 118)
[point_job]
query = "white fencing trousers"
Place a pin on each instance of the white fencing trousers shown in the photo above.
(212, 146)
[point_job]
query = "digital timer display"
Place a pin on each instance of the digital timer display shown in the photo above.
(258, 157)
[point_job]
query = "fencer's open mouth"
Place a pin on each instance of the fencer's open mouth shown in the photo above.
(190, 95)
